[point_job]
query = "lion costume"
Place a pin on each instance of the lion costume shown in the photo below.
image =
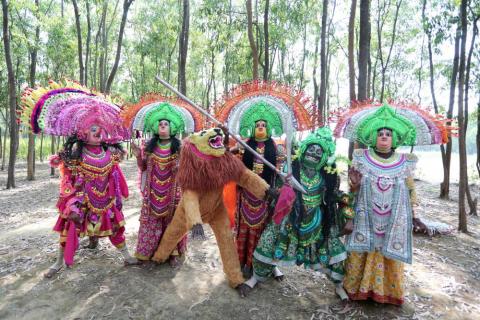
(204, 169)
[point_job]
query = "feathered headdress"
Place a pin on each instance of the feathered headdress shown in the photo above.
(67, 108)
(269, 101)
(145, 115)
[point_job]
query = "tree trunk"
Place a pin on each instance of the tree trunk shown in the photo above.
(385, 65)
(472, 203)
(462, 148)
(364, 49)
(445, 185)
(33, 70)
(251, 39)
(41, 147)
(267, 49)
(351, 50)
(1, 145)
(314, 76)
(183, 48)
(323, 63)
(126, 6)
(79, 41)
(89, 36)
(11, 98)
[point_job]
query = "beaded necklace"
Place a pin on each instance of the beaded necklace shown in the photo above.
(312, 185)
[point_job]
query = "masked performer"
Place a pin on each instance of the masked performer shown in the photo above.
(381, 231)
(309, 232)
(92, 185)
(257, 111)
(164, 119)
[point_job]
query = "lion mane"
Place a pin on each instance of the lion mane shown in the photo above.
(200, 172)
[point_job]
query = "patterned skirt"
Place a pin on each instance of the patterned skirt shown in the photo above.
(286, 245)
(371, 275)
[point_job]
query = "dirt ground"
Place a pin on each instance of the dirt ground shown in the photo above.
(442, 283)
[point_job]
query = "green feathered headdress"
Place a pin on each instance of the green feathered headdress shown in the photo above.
(322, 136)
(403, 131)
(261, 111)
(164, 111)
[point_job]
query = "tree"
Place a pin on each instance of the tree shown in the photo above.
(463, 180)
(364, 49)
(79, 42)
(183, 47)
(251, 39)
(323, 63)
(11, 98)
(126, 6)
(266, 62)
(351, 51)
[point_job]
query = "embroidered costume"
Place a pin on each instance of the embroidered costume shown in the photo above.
(92, 184)
(258, 111)
(158, 166)
(381, 241)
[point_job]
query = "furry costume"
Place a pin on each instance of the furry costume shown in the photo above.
(204, 170)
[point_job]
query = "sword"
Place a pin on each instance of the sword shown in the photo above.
(290, 180)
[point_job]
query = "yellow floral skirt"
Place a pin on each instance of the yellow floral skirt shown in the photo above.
(371, 275)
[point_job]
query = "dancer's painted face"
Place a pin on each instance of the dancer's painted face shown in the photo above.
(384, 139)
(95, 135)
(164, 129)
(260, 129)
(313, 154)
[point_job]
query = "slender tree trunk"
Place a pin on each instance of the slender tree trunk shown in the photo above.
(385, 65)
(33, 70)
(79, 42)
(463, 181)
(251, 39)
(183, 48)
(267, 49)
(304, 54)
(472, 203)
(314, 76)
(41, 147)
(323, 63)
(126, 6)
(478, 135)
(351, 50)
(87, 45)
(11, 98)
(445, 185)
(364, 49)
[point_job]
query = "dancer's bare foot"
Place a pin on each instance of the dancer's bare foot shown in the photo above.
(131, 261)
(175, 262)
(92, 243)
(243, 290)
(340, 291)
(279, 278)
(52, 271)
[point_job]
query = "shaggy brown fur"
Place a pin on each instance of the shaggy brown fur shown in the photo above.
(199, 174)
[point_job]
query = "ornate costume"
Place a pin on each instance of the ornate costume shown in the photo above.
(258, 111)
(158, 166)
(381, 241)
(204, 170)
(92, 184)
(309, 233)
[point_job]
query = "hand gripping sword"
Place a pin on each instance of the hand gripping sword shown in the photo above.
(287, 178)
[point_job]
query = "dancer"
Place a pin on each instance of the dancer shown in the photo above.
(157, 161)
(92, 184)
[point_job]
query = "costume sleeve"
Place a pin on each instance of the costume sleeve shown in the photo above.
(192, 208)
(142, 159)
(70, 196)
(411, 189)
(253, 183)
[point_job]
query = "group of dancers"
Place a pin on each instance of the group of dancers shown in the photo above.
(360, 238)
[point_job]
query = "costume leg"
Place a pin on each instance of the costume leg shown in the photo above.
(176, 230)
(149, 234)
(58, 265)
(221, 228)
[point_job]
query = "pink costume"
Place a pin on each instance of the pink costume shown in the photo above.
(160, 198)
(93, 188)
